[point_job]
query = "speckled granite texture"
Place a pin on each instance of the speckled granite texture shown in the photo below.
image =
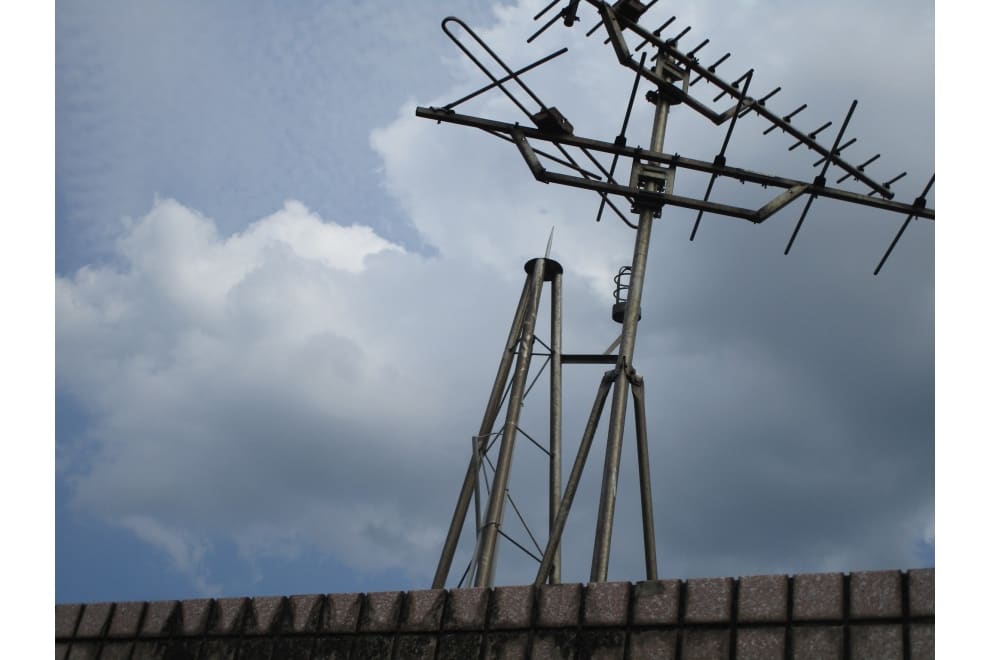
(872, 615)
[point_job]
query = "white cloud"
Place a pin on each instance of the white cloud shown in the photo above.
(212, 365)
(286, 387)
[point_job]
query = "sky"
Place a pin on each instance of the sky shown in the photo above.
(280, 298)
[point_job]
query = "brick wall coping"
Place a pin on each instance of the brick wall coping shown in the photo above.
(875, 615)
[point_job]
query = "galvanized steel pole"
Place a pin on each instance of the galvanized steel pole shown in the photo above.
(556, 343)
(557, 531)
(613, 448)
(645, 487)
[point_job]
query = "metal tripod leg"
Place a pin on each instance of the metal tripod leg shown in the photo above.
(488, 421)
(496, 501)
(572, 482)
(645, 487)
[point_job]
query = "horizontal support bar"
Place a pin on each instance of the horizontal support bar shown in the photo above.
(587, 358)
(739, 174)
(649, 199)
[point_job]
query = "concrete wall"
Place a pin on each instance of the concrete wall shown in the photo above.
(863, 616)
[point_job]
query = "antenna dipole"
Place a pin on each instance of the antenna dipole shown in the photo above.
(674, 75)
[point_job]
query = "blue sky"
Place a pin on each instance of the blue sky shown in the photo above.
(280, 299)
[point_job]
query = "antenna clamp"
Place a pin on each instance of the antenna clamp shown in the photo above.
(657, 179)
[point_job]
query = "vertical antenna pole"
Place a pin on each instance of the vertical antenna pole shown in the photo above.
(484, 433)
(556, 344)
(613, 448)
(496, 500)
(645, 486)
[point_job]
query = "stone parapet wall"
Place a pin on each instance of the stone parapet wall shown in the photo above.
(876, 615)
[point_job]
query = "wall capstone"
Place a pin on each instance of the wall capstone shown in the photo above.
(873, 615)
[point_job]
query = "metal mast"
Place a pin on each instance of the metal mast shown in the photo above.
(627, 345)
(650, 188)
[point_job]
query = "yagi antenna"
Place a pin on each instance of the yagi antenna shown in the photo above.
(672, 75)
(624, 16)
(548, 119)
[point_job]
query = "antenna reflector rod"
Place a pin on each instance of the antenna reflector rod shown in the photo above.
(719, 61)
(837, 152)
(594, 27)
(761, 101)
(679, 35)
(698, 47)
(656, 33)
(887, 184)
(544, 28)
(711, 69)
(811, 136)
(818, 130)
(865, 163)
(787, 118)
(800, 222)
(545, 10)
(890, 248)
(859, 167)
(896, 178)
(735, 83)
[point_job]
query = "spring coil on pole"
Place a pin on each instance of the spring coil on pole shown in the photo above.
(620, 293)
